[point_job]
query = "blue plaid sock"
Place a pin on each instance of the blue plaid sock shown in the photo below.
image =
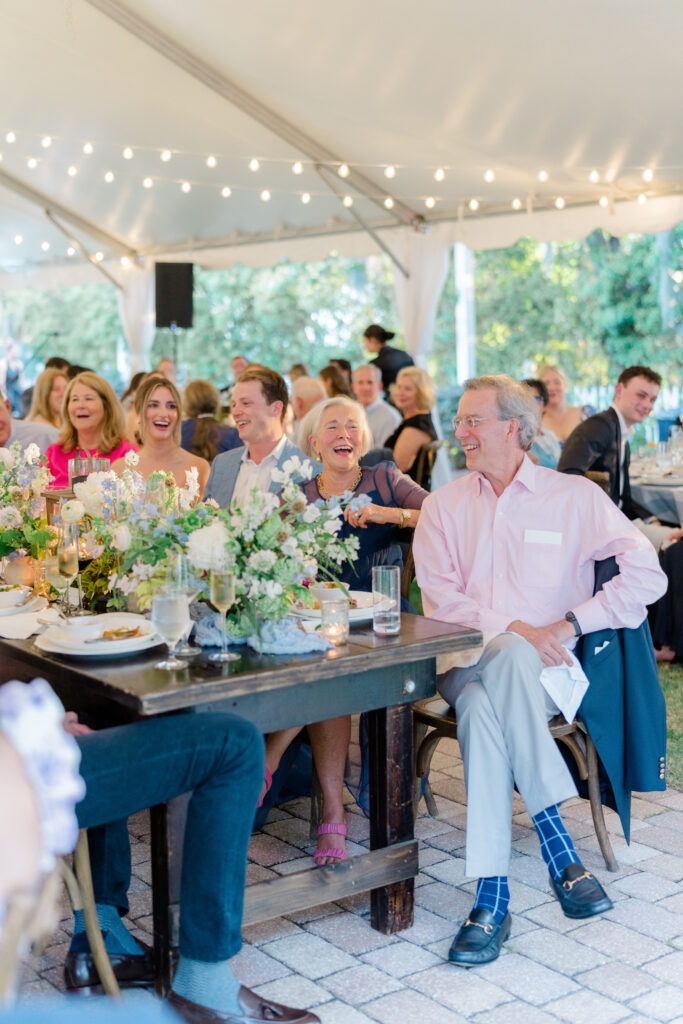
(557, 847)
(494, 894)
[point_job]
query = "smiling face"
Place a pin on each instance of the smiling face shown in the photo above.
(161, 415)
(405, 394)
(339, 440)
(491, 446)
(254, 417)
(57, 396)
(85, 409)
(635, 400)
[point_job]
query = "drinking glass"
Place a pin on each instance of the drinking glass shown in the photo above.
(170, 618)
(78, 470)
(67, 559)
(222, 595)
(100, 465)
(180, 576)
(386, 599)
(156, 494)
(52, 573)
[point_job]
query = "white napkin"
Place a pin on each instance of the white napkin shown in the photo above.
(565, 685)
(24, 625)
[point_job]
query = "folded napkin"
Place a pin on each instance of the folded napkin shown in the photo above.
(282, 637)
(25, 624)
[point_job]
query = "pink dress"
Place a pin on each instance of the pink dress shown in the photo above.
(58, 460)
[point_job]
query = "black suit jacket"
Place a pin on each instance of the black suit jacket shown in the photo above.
(596, 445)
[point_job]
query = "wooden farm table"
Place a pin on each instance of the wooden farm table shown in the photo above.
(381, 675)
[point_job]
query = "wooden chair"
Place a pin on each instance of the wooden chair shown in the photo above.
(436, 715)
(600, 478)
(424, 462)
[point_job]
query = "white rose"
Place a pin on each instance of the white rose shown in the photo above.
(7, 458)
(131, 458)
(10, 517)
(121, 538)
(32, 454)
(271, 588)
(72, 511)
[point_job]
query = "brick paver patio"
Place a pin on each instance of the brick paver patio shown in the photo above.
(626, 966)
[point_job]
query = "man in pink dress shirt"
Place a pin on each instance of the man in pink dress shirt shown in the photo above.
(510, 549)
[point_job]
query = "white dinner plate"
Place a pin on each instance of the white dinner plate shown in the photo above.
(361, 613)
(32, 605)
(55, 640)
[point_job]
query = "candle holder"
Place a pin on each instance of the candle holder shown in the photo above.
(334, 619)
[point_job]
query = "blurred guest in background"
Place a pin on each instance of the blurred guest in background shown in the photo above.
(167, 368)
(382, 417)
(389, 359)
(296, 371)
(201, 433)
(53, 363)
(306, 392)
(546, 450)
(335, 382)
(560, 417)
(48, 396)
(344, 365)
(414, 396)
(25, 433)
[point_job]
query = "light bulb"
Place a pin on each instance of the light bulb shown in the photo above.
(32, 163)
(226, 192)
(128, 153)
(72, 171)
(348, 201)
(542, 175)
(604, 201)
(124, 261)
(18, 239)
(71, 251)
(439, 174)
(473, 205)
(10, 137)
(44, 246)
(265, 195)
(88, 148)
(343, 171)
(166, 155)
(648, 174)
(46, 141)
(389, 203)
(186, 187)
(211, 161)
(254, 164)
(147, 182)
(109, 177)
(99, 256)
(430, 202)
(559, 203)
(642, 198)
(489, 176)
(390, 171)
(306, 198)
(594, 177)
(297, 168)
(516, 204)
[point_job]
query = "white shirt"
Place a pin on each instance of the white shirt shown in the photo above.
(254, 475)
(383, 420)
(626, 433)
(27, 432)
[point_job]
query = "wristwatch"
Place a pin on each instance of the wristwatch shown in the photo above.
(404, 517)
(570, 617)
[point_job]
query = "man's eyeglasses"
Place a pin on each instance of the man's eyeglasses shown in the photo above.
(470, 421)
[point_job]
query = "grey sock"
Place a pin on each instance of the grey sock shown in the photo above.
(117, 938)
(213, 985)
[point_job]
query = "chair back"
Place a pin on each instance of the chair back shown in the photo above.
(424, 463)
(600, 478)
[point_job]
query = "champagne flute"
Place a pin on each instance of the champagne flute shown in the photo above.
(179, 576)
(67, 559)
(52, 573)
(222, 594)
(170, 618)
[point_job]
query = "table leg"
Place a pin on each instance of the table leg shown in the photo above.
(391, 808)
(168, 828)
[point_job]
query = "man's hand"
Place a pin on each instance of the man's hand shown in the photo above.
(548, 640)
(71, 725)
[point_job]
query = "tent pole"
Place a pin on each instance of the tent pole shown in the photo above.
(81, 248)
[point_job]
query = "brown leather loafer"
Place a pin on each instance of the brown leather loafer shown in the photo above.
(254, 1010)
(81, 977)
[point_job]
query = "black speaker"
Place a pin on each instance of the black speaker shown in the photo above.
(173, 294)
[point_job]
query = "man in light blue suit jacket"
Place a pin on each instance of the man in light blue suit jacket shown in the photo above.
(259, 404)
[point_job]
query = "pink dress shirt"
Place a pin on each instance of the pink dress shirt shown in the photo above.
(484, 561)
(58, 460)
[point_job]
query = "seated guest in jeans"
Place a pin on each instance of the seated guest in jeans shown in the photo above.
(504, 550)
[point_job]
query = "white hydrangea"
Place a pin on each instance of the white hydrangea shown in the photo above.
(271, 588)
(262, 561)
(10, 517)
(206, 547)
(121, 537)
(7, 458)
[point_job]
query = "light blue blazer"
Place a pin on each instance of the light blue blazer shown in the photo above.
(225, 469)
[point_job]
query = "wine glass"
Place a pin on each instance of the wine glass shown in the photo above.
(52, 573)
(67, 559)
(222, 595)
(180, 576)
(170, 618)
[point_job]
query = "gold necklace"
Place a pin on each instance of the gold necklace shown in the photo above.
(324, 493)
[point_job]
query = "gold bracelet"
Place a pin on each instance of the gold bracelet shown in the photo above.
(405, 516)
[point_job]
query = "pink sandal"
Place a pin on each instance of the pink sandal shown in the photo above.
(335, 852)
(268, 779)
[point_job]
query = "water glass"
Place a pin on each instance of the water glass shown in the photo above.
(78, 470)
(171, 619)
(100, 465)
(386, 599)
(334, 617)
(180, 576)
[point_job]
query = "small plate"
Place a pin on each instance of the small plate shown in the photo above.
(361, 613)
(56, 640)
(31, 605)
(13, 595)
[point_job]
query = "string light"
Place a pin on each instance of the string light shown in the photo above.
(32, 163)
(604, 201)
(124, 261)
(559, 203)
(439, 174)
(297, 168)
(211, 161)
(147, 182)
(489, 176)
(542, 175)
(594, 176)
(128, 153)
(473, 205)
(648, 174)
(0, 158)
(348, 201)
(109, 177)
(46, 141)
(186, 187)
(430, 202)
(306, 198)
(88, 149)
(99, 256)
(166, 155)
(72, 171)
(265, 195)
(390, 171)
(343, 171)
(44, 246)
(389, 203)
(642, 199)
(71, 251)
(254, 164)
(18, 239)
(226, 192)
(516, 204)
(10, 137)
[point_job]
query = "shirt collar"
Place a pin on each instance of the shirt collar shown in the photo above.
(272, 456)
(525, 475)
(626, 432)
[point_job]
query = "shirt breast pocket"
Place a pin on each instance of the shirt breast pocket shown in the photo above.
(542, 564)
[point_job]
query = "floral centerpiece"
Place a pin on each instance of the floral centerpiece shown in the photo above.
(275, 545)
(23, 522)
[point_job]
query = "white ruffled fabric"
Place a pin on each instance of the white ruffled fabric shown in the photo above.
(283, 637)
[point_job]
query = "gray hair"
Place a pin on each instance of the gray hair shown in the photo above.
(515, 402)
(376, 372)
(309, 388)
(310, 424)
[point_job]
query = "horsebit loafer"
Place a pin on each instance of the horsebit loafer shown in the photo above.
(579, 892)
(480, 938)
(254, 1010)
(81, 977)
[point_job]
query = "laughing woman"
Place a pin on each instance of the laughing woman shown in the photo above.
(157, 404)
(339, 435)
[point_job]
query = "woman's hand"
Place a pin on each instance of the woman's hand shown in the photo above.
(371, 514)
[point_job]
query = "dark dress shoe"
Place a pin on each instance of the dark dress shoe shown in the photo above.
(579, 892)
(254, 1010)
(480, 938)
(81, 977)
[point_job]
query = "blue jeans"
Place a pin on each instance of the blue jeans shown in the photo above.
(220, 759)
